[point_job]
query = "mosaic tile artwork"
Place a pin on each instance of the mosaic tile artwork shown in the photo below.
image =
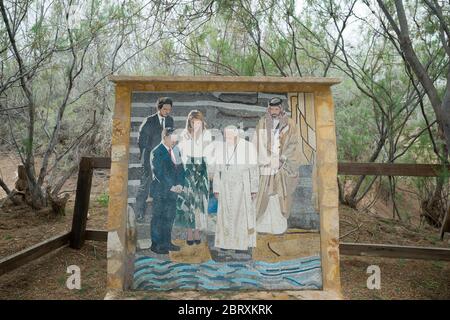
(219, 242)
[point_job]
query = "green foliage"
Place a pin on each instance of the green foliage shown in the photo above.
(355, 127)
(247, 38)
(26, 145)
(103, 199)
(8, 237)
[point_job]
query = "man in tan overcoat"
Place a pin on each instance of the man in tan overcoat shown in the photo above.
(279, 157)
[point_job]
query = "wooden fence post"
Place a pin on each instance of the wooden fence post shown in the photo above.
(78, 233)
(445, 224)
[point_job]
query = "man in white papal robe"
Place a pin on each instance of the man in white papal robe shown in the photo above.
(235, 184)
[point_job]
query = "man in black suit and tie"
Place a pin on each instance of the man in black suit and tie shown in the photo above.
(149, 138)
(167, 182)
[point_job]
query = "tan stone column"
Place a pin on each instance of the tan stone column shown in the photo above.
(327, 188)
(117, 218)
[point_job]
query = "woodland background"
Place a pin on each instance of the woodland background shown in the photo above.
(393, 105)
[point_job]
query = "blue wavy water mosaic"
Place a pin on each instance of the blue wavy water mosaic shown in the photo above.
(298, 274)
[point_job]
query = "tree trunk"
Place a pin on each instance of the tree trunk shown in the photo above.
(441, 107)
(351, 199)
(434, 207)
(58, 205)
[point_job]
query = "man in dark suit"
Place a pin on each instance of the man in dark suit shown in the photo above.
(149, 138)
(167, 182)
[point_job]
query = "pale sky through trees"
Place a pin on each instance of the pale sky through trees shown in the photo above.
(352, 34)
(67, 52)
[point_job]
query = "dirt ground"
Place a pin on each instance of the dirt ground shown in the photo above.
(46, 277)
(20, 227)
(366, 227)
(400, 279)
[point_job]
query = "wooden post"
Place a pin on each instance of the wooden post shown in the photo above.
(78, 233)
(445, 224)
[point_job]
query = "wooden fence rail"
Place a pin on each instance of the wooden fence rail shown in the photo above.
(38, 250)
(350, 249)
(391, 169)
(398, 169)
(394, 251)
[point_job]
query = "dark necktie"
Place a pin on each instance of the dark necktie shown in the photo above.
(172, 155)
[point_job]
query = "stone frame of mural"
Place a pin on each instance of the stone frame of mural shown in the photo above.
(121, 229)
